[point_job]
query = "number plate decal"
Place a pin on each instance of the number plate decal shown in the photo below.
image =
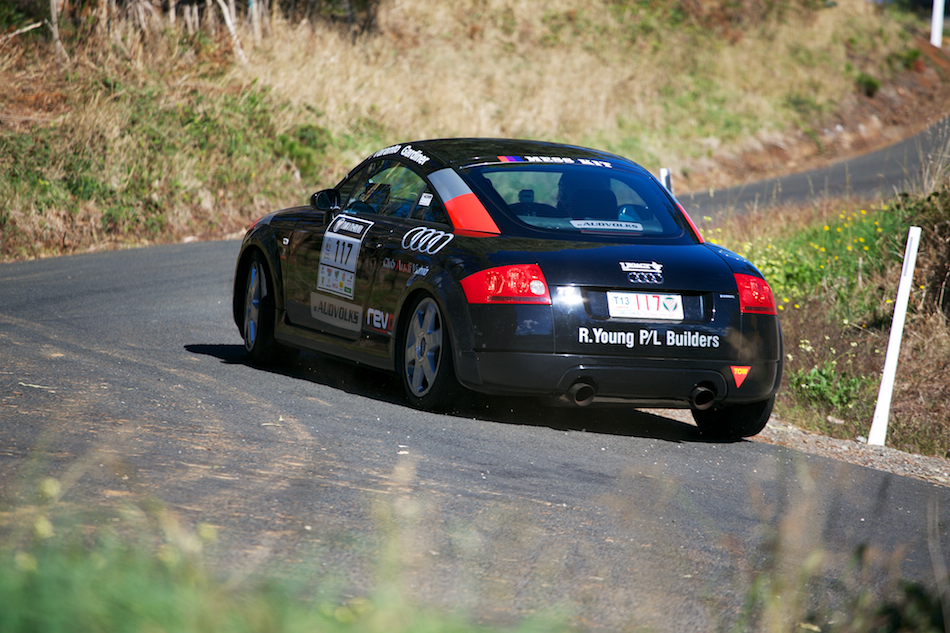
(339, 255)
(643, 305)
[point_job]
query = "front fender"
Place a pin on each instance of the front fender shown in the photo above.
(260, 238)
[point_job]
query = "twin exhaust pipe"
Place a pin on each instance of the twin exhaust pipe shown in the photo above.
(582, 394)
(701, 397)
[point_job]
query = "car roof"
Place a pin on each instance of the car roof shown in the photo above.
(461, 152)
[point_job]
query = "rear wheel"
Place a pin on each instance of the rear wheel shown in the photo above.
(259, 314)
(734, 421)
(425, 357)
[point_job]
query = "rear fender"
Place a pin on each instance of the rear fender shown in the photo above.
(448, 294)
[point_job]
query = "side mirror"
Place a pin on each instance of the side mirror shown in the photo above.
(326, 200)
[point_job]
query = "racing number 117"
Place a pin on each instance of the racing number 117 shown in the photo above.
(624, 300)
(341, 253)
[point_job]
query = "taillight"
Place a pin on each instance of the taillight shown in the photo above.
(521, 283)
(755, 296)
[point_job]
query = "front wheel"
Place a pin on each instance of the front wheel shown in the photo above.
(734, 421)
(259, 313)
(425, 357)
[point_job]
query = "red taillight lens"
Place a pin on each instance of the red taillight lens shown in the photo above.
(755, 296)
(522, 283)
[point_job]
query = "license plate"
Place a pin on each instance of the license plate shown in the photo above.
(643, 305)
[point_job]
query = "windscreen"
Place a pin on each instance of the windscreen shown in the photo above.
(574, 199)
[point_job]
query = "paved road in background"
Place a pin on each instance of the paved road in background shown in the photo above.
(122, 375)
(882, 173)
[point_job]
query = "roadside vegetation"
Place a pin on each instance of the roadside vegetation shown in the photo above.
(136, 567)
(147, 131)
(834, 269)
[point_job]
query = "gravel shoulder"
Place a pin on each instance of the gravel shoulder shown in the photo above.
(935, 470)
(932, 469)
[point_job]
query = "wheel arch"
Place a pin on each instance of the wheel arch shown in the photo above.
(448, 294)
(271, 281)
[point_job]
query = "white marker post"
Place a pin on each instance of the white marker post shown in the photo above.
(936, 24)
(883, 408)
(666, 179)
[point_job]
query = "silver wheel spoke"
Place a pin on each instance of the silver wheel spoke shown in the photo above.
(252, 305)
(423, 348)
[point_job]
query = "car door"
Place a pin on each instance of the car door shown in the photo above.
(331, 265)
(405, 201)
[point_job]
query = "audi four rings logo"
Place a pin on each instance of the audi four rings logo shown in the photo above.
(643, 272)
(645, 278)
(425, 240)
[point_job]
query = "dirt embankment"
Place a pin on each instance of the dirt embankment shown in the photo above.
(898, 110)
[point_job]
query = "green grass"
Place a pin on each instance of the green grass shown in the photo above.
(139, 569)
(835, 279)
(150, 156)
(839, 259)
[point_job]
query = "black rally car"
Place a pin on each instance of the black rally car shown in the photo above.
(515, 267)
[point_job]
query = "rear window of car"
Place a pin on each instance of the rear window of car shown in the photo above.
(574, 199)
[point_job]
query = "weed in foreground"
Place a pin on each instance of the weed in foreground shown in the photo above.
(140, 568)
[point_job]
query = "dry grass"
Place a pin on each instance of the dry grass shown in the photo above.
(612, 75)
(573, 72)
(835, 342)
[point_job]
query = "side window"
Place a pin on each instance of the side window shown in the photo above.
(350, 185)
(430, 209)
(387, 188)
(365, 196)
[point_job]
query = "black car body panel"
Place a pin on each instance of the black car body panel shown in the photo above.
(640, 309)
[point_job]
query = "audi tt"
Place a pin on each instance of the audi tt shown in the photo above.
(514, 267)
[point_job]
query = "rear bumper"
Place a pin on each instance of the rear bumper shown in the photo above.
(646, 382)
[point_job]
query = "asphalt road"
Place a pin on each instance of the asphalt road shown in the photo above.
(122, 375)
(897, 168)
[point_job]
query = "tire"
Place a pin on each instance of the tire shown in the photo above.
(735, 421)
(424, 357)
(259, 315)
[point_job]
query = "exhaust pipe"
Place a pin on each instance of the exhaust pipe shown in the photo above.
(581, 393)
(701, 397)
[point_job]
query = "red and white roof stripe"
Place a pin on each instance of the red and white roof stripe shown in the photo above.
(466, 211)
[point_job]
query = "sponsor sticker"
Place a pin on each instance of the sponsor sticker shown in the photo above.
(691, 339)
(647, 337)
(405, 267)
(387, 151)
(740, 373)
(599, 335)
(425, 200)
(557, 160)
(348, 316)
(414, 155)
(651, 267)
(379, 320)
(339, 255)
(606, 225)
(594, 163)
